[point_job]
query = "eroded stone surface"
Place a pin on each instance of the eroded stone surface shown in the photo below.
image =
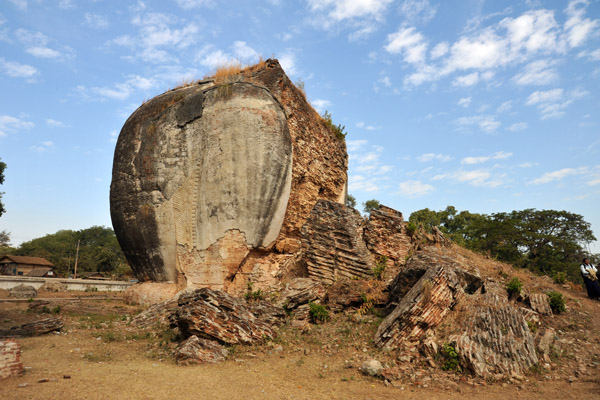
(217, 316)
(195, 350)
(385, 235)
(206, 174)
(191, 178)
(333, 244)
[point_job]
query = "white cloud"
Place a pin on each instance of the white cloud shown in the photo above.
(528, 165)
(552, 103)
(42, 147)
(362, 125)
(466, 80)
(243, 52)
(20, 4)
(511, 41)
(558, 175)
(159, 38)
(540, 72)
(418, 11)
(414, 189)
(362, 184)
(189, 4)
(547, 96)
(356, 145)
(578, 28)
(408, 42)
(506, 106)
(477, 178)
(486, 123)
(518, 126)
(363, 17)
(464, 101)
(439, 50)
(9, 124)
(55, 124)
(288, 62)
(320, 105)
(17, 70)
(593, 55)
(500, 155)
(340, 10)
(118, 91)
(114, 135)
(37, 44)
(432, 156)
(95, 21)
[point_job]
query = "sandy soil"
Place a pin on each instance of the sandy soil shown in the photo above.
(106, 358)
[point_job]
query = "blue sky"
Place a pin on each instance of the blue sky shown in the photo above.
(488, 106)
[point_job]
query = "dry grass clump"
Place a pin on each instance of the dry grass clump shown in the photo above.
(224, 73)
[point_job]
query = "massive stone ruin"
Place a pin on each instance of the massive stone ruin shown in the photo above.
(212, 182)
(236, 185)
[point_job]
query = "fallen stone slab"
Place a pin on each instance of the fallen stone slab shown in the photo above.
(23, 292)
(35, 328)
(301, 291)
(216, 315)
(540, 303)
(195, 350)
(495, 340)
(421, 309)
(355, 292)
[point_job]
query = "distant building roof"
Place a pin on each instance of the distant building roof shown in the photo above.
(26, 260)
(39, 272)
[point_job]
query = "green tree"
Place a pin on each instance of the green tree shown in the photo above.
(545, 241)
(99, 250)
(371, 205)
(4, 239)
(350, 201)
(2, 168)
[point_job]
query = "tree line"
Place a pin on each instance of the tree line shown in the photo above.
(547, 242)
(99, 251)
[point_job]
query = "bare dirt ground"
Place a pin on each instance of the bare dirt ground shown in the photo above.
(104, 357)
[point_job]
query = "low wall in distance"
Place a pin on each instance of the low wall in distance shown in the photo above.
(9, 282)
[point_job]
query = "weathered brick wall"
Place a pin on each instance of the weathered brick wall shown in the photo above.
(10, 359)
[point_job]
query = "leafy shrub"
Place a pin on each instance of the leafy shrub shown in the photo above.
(338, 130)
(532, 326)
(450, 354)
(318, 313)
(254, 294)
(560, 277)
(56, 309)
(380, 268)
(514, 287)
(557, 302)
(411, 229)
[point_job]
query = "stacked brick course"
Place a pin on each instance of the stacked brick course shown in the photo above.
(10, 359)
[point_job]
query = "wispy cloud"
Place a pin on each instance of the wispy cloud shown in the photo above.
(320, 105)
(559, 175)
(39, 45)
(10, 124)
(17, 70)
(55, 124)
(509, 42)
(486, 123)
(464, 101)
(433, 156)
(414, 189)
(95, 21)
(500, 155)
(518, 127)
(360, 16)
(477, 178)
(552, 103)
(42, 147)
